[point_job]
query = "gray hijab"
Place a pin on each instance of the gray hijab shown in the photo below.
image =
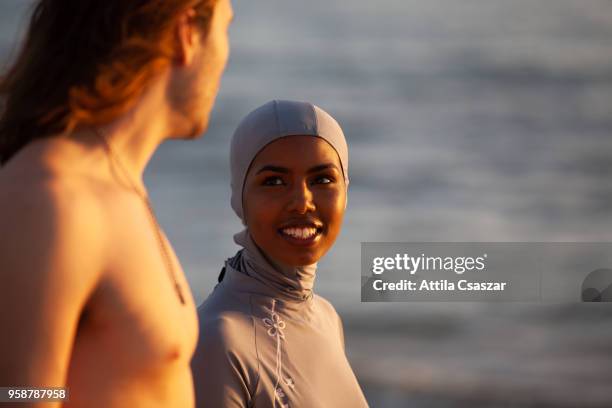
(269, 122)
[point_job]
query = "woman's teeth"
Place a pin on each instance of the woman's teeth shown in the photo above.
(300, 233)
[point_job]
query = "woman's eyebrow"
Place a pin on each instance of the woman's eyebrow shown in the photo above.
(276, 169)
(323, 167)
(284, 170)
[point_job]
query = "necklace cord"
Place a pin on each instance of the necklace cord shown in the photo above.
(114, 158)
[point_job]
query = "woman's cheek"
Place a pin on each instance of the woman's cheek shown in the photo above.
(337, 203)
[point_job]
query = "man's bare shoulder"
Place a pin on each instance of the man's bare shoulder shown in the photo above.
(50, 220)
(51, 260)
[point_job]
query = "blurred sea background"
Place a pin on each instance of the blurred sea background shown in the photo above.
(467, 120)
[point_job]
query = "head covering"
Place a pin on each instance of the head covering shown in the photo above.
(269, 122)
(274, 120)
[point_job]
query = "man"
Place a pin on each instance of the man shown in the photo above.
(92, 297)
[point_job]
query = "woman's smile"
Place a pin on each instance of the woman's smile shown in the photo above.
(301, 232)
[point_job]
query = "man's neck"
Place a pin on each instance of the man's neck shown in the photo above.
(138, 133)
(135, 136)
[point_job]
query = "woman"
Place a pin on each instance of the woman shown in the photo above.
(266, 340)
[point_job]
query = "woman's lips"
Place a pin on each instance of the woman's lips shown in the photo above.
(304, 235)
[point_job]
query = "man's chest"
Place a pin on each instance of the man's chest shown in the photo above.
(137, 301)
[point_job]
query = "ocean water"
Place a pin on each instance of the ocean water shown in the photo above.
(467, 120)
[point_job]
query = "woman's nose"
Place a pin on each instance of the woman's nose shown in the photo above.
(301, 200)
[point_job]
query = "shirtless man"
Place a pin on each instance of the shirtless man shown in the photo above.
(92, 297)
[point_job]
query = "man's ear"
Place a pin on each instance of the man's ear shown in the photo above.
(186, 38)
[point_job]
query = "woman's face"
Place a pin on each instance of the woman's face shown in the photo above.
(294, 198)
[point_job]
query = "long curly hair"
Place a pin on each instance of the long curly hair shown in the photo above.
(86, 62)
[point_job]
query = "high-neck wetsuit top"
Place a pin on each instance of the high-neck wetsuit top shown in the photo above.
(262, 346)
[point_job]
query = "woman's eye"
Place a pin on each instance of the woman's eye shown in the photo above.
(273, 181)
(323, 180)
